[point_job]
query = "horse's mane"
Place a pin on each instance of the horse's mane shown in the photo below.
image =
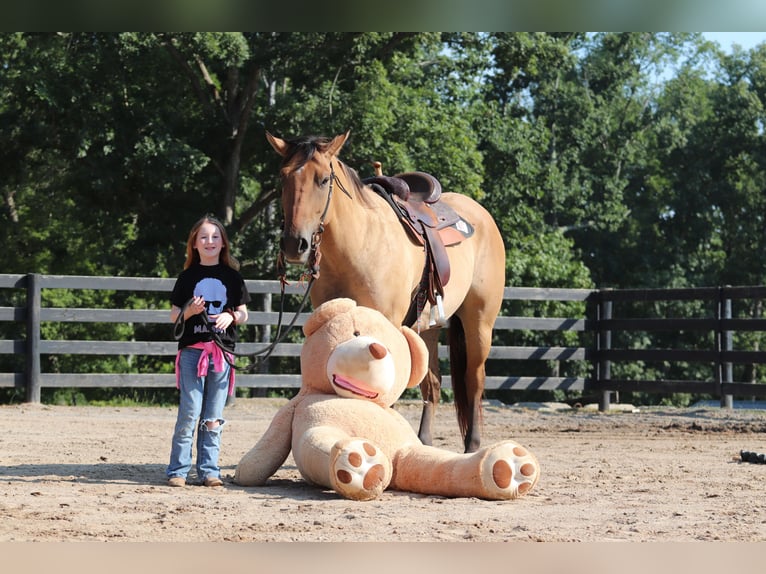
(300, 151)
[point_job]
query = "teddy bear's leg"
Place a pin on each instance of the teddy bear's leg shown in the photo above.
(358, 469)
(508, 470)
(502, 471)
(313, 454)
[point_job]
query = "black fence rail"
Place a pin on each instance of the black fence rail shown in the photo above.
(716, 320)
(606, 316)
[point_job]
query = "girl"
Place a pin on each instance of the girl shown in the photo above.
(212, 296)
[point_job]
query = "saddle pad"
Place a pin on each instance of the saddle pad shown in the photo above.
(451, 227)
(455, 233)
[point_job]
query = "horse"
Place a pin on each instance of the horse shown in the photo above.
(367, 255)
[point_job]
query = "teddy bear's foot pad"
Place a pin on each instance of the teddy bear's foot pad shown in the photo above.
(509, 470)
(360, 470)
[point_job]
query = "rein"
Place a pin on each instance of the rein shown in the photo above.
(313, 274)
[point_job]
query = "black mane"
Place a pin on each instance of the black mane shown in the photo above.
(300, 150)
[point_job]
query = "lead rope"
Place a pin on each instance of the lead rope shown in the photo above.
(258, 356)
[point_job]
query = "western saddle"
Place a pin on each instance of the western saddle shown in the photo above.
(414, 197)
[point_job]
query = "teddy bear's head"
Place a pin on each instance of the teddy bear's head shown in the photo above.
(355, 352)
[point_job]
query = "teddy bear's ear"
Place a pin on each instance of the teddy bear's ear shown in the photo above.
(419, 353)
(325, 312)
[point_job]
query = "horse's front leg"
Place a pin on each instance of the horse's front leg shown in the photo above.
(430, 387)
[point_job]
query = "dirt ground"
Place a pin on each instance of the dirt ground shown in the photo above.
(97, 474)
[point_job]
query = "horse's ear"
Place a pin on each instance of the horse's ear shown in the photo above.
(337, 143)
(279, 145)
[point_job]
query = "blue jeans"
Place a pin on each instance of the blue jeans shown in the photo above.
(201, 400)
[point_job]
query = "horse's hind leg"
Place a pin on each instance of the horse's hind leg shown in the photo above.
(476, 335)
(430, 386)
(470, 343)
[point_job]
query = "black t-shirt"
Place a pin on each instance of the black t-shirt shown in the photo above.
(222, 288)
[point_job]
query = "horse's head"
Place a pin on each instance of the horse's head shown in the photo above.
(307, 179)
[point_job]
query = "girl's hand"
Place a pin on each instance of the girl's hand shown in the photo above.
(223, 320)
(196, 306)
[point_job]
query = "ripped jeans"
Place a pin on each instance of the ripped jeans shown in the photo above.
(202, 399)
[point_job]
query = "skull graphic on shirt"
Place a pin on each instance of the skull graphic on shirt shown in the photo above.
(214, 293)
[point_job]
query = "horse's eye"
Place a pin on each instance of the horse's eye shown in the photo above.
(325, 181)
(356, 333)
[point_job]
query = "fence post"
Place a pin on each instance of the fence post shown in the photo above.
(34, 302)
(724, 372)
(604, 343)
(264, 337)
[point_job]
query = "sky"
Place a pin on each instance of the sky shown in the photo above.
(746, 40)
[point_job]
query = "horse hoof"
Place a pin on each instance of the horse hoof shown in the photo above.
(360, 470)
(509, 471)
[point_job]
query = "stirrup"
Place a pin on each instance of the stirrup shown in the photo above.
(437, 319)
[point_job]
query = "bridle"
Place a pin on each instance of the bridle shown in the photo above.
(312, 275)
(315, 254)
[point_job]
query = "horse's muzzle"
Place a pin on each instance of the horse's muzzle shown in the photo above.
(295, 249)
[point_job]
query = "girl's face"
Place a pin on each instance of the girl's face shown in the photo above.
(208, 244)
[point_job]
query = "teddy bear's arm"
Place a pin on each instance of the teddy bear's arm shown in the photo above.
(265, 458)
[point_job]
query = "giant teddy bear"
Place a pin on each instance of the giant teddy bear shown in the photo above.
(344, 433)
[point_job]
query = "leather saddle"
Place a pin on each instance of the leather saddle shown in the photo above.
(414, 196)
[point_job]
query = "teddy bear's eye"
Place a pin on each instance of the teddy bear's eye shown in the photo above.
(356, 333)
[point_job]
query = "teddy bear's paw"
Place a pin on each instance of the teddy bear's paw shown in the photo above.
(509, 471)
(360, 470)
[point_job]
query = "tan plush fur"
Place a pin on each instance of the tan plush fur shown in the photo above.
(344, 433)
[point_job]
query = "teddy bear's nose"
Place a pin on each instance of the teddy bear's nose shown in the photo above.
(377, 350)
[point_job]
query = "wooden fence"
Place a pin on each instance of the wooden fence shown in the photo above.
(596, 330)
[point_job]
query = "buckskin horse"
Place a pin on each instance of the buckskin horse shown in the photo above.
(436, 259)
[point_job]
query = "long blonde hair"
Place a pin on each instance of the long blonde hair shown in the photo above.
(192, 255)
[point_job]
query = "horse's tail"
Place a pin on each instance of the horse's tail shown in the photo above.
(458, 364)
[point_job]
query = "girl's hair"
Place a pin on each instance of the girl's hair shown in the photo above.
(192, 256)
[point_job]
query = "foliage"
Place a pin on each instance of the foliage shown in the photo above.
(607, 159)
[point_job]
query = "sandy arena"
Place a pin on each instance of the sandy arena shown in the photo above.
(97, 474)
